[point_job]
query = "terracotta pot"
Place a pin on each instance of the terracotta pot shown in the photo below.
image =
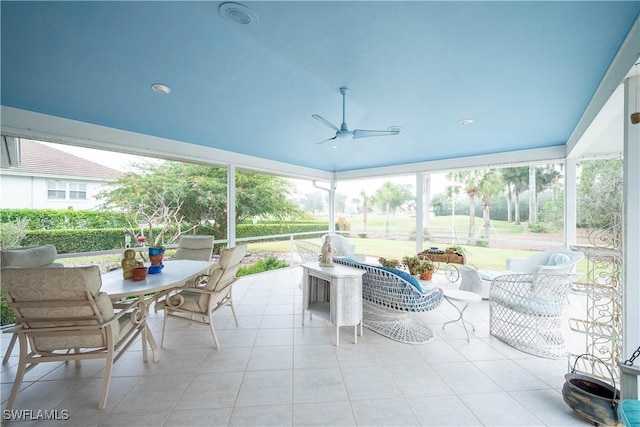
(139, 273)
(427, 276)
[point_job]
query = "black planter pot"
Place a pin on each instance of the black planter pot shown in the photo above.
(591, 398)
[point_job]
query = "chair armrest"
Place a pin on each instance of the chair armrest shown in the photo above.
(133, 308)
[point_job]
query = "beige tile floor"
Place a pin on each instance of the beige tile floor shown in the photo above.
(272, 371)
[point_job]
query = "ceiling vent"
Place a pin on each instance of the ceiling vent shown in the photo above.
(238, 14)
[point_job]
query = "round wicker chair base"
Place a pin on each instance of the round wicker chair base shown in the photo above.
(401, 327)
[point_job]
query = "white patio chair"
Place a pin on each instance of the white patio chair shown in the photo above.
(553, 261)
(211, 293)
(477, 281)
(197, 248)
(340, 244)
(28, 257)
(64, 316)
(525, 311)
(308, 251)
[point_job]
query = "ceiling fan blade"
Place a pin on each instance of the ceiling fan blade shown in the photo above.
(328, 139)
(325, 122)
(361, 133)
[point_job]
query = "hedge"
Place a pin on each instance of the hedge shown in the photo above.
(88, 240)
(52, 219)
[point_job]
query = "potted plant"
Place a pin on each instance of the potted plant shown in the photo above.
(422, 268)
(393, 263)
(426, 269)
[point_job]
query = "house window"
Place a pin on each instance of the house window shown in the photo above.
(61, 190)
(77, 191)
(56, 190)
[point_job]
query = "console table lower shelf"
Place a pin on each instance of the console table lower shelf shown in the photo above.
(334, 293)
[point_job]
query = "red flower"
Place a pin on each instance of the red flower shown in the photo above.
(141, 239)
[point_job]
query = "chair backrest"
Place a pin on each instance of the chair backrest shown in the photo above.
(29, 257)
(68, 298)
(551, 261)
(224, 272)
(197, 248)
(471, 281)
(340, 244)
(308, 251)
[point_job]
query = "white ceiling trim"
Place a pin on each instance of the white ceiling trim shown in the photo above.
(623, 61)
(27, 124)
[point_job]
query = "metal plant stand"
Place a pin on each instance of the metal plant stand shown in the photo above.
(602, 289)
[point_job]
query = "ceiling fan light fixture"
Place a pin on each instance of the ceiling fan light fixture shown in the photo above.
(160, 88)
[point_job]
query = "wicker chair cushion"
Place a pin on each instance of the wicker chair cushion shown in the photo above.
(558, 259)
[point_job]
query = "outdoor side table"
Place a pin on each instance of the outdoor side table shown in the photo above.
(334, 293)
(465, 297)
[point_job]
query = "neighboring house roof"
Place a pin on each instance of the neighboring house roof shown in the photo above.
(37, 158)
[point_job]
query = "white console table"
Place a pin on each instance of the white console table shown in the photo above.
(334, 293)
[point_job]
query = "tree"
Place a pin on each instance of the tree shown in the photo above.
(469, 182)
(517, 179)
(313, 202)
(489, 186)
(197, 194)
(391, 197)
(540, 178)
(364, 204)
(599, 192)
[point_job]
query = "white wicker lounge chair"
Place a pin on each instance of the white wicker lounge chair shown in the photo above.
(525, 311)
(553, 261)
(308, 251)
(388, 300)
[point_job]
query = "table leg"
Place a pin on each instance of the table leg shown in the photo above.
(355, 334)
(337, 336)
(147, 336)
(460, 317)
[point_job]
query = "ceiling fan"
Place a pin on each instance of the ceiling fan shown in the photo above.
(344, 132)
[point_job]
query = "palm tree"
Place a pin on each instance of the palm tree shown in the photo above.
(469, 181)
(489, 186)
(391, 196)
(365, 204)
(517, 179)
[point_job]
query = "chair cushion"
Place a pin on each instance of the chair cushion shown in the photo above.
(404, 275)
(558, 259)
(29, 257)
(191, 302)
(630, 412)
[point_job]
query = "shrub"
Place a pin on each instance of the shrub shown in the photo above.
(267, 264)
(13, 232)
(7, 317)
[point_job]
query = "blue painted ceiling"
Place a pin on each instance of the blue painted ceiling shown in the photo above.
(523, 71)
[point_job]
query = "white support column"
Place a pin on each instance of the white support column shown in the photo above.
(570, 196)
(231, 206)
(332, 204)
(419, 210)
(631, 224)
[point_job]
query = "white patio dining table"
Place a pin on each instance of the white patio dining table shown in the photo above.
(173, 275)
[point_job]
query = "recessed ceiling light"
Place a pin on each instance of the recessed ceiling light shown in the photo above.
(238, 14)
(466, 122)
(160, 88)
